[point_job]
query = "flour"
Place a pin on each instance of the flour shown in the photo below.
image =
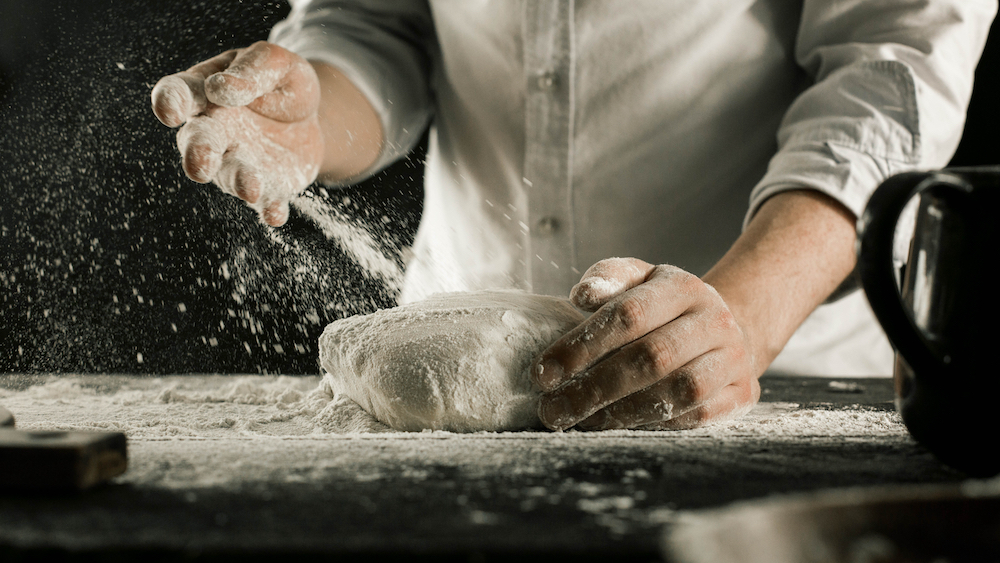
(238, 152)
(595, 290)
(123, 265)
(226, 406)
(456, 361)
(179, 95)
(357, 242)
(240, 85)
(604, 281)
(241, 437)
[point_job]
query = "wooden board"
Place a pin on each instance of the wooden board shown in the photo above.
(6, 418)
(39, 460)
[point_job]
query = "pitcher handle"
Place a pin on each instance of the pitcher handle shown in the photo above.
(876, 230)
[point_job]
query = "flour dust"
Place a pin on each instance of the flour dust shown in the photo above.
(112, 261)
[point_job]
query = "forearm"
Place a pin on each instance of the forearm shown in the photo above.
(797, 249)
(352, 132)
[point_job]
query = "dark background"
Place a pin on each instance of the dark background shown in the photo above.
(112, 261)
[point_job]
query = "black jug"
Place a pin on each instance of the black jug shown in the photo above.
(943, 315)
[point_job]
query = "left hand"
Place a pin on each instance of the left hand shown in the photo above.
(662, 351)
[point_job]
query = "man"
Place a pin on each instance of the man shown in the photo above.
(568, 132)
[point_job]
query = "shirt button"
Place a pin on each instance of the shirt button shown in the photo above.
(547, 80)
(547, 225)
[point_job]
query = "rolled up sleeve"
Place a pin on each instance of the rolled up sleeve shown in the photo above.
(892, 81)
(384, 47)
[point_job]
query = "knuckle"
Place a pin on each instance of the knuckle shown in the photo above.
(194, 168)
(689, 282)
(260, 45)
(247, 185)
(275, 213)
(655, 355)
(588, 395)
(197, 154)
(686, 387)
(666, 270)
(739, 356)
(725, 320)
(594, 395)
(629, 314)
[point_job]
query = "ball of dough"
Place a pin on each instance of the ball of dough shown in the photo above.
(455, 361)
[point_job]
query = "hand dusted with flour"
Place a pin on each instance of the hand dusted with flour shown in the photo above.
(455, 361)
(255, 124)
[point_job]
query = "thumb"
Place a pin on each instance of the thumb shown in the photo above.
(269, 80)
(254, 72)
(608, 279)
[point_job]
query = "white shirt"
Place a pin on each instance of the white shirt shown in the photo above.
(565, 132)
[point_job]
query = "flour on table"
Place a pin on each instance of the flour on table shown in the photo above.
(455, 361)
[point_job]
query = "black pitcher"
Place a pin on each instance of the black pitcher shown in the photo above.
(944, 320)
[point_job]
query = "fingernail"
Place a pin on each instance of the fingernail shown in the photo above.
(556, 412)
(229, 90)
(274, 215)
(593, 292)
(548, 374)
(172, 96)
(600, 420)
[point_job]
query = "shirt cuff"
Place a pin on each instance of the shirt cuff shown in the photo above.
(847, 175)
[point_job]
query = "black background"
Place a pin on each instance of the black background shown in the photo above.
(112, 261)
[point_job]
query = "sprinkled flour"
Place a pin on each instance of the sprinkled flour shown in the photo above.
(357, 242)
(227, 407)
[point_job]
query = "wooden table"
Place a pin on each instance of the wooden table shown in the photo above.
(579, 496)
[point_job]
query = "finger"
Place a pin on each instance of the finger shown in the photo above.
(179, 97)
(225, 177)
(667, 294)
(731, 402)
(635, 367)
(256, 70)
(247, 184)
(295, 97)
(608, 279)
(239, 178)
(685, 389)
(269, 80)
(202, 142)
(218, 63)
(275, 213)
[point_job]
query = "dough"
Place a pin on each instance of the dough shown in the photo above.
(455, 361)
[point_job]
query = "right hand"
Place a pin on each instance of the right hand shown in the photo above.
(250, 125)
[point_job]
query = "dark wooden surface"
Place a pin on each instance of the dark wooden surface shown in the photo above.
(600, 496)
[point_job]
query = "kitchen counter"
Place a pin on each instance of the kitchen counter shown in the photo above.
(225, 467)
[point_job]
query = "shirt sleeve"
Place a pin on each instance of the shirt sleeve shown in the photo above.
(384, 47)
(892, 81)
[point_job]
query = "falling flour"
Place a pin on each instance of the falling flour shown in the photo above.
(455, 361)
(355, 241)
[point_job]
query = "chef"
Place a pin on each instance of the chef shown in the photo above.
(689, 171)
